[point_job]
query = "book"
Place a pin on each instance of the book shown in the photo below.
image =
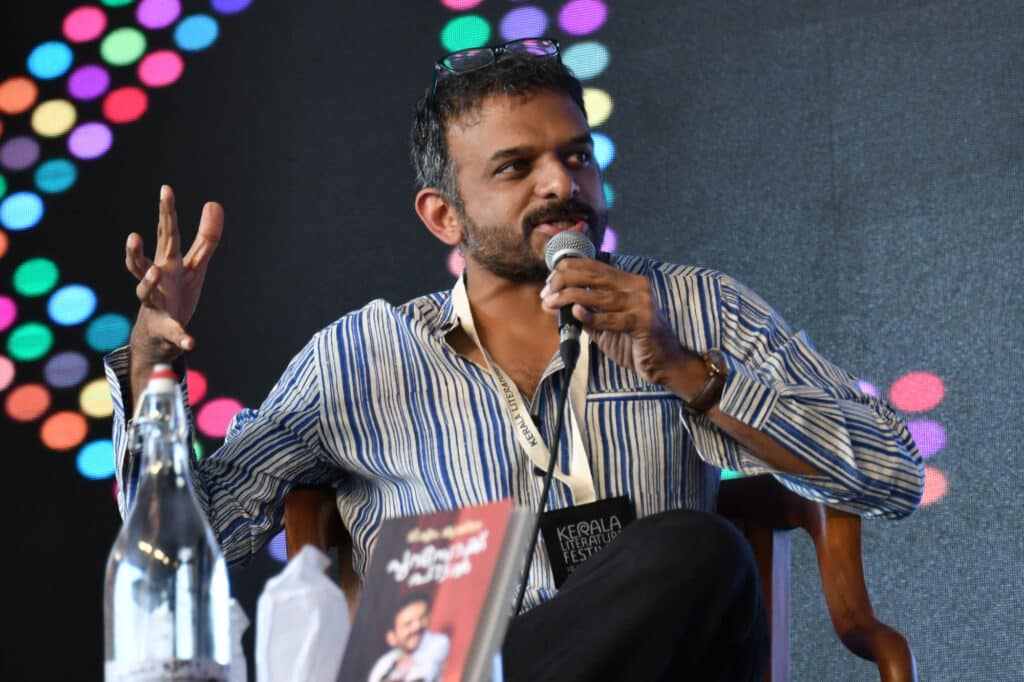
(438, 595)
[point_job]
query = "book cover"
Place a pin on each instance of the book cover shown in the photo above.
(438, 596)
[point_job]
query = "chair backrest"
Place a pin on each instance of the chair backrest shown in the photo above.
(763, 509)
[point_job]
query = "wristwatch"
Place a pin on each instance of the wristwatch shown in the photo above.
(711, 392)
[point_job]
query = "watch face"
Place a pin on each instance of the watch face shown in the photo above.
(716, 363)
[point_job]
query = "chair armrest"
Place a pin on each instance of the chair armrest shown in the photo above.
(311, 518)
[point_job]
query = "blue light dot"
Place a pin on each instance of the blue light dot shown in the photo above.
(107, 332)
(196, 32)
(604, 149)
(50, 60)
(586, 60)
(230, 6)
(71, 304)
(21, 211)
(728, 474)
(278, 547)
(56, 176)
(96, 460)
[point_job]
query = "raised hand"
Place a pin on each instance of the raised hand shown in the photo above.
(169, 285)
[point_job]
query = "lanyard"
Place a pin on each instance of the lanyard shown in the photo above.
(579, 479)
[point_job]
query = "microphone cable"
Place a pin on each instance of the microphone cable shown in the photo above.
(548, 476)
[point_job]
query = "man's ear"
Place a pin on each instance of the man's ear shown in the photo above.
(438, 215)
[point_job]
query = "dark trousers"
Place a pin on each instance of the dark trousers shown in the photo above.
(674, 597)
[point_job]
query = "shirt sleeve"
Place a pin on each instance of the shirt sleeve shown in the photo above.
(266, 453)
(779, 384)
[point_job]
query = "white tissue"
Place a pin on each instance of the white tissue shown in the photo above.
(239, 624)
(301, 623)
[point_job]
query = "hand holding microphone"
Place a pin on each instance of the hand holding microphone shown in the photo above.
(616, 307)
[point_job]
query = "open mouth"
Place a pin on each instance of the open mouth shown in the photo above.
(552, 226)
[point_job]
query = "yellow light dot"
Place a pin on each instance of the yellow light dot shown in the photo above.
(598, 104)
(53, 118)
(95, 399)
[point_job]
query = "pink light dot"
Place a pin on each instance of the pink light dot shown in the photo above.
(8, 312)
(215, 416)
(917, 392)
(456, 263)
(935, 486)
(581, 17)
(155, 14)
(6, 372)
(610, 242)
(84, 23)
(930, 436)
(196, 386)
(460, 5)
(867, 387)
(161, 68)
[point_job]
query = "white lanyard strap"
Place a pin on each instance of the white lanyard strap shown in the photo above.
(579, 478)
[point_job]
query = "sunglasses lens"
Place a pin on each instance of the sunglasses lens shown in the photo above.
(468, 60)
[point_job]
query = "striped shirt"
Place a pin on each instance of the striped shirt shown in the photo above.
(380, 407)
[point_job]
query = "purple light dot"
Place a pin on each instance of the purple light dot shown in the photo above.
(66, 369)
(930, 436)
(230, 6)
(867, 387)
(610, 241)
(524, 22)
(154, 14)
(581, 17)
(278, 547)
(88, 82)
(90, 140)
(19, 153)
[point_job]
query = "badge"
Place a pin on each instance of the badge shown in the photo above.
(572, 534)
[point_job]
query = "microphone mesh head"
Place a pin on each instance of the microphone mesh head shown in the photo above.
(567, 245)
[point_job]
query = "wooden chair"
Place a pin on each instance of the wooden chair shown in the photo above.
(764, 510)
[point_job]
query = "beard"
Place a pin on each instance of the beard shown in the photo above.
(507, 254)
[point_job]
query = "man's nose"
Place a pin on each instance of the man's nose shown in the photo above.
(557, 181)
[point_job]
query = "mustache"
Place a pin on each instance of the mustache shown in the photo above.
(573, 207)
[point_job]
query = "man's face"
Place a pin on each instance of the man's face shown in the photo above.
(410, 624)
(525, 171)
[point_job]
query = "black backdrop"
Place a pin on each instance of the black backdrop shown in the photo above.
(857, 163)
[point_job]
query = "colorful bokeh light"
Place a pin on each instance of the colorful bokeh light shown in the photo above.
(917, 392)
(95, 460)
(523, 22)
(161, 68)
(53, 118)
(65, 369)
(936, 485)
(49, 60)
(17, 95)
(125, 105)
(94, 399)
(157, 14)
(71, 304)
(586, 60)
(35, 277)
(604, 150)
(123, 46)
(196, 32)
(929, 436)
(55, 176)
(196, 381)
(21, 211)
(63, 430)
(464, 32)
(580, 17)
(29, 341)
(598, 104)
(84, 24)
(6, 372)
(27, 402)
(19, 153)
(8, 312)
(90, 140)
(213, 418)
(88, 82)
(107, 332)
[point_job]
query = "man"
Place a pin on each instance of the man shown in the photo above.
(408, 409)
(416, 654)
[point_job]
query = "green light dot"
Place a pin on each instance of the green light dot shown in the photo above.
(729, 473)
(3, 186)
(609, 195)
(117, 3)
(123, 46)
(465, 32)
(197, 447)
(29, 341)
(36, 277)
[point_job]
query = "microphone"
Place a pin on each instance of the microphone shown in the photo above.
(568, 245)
